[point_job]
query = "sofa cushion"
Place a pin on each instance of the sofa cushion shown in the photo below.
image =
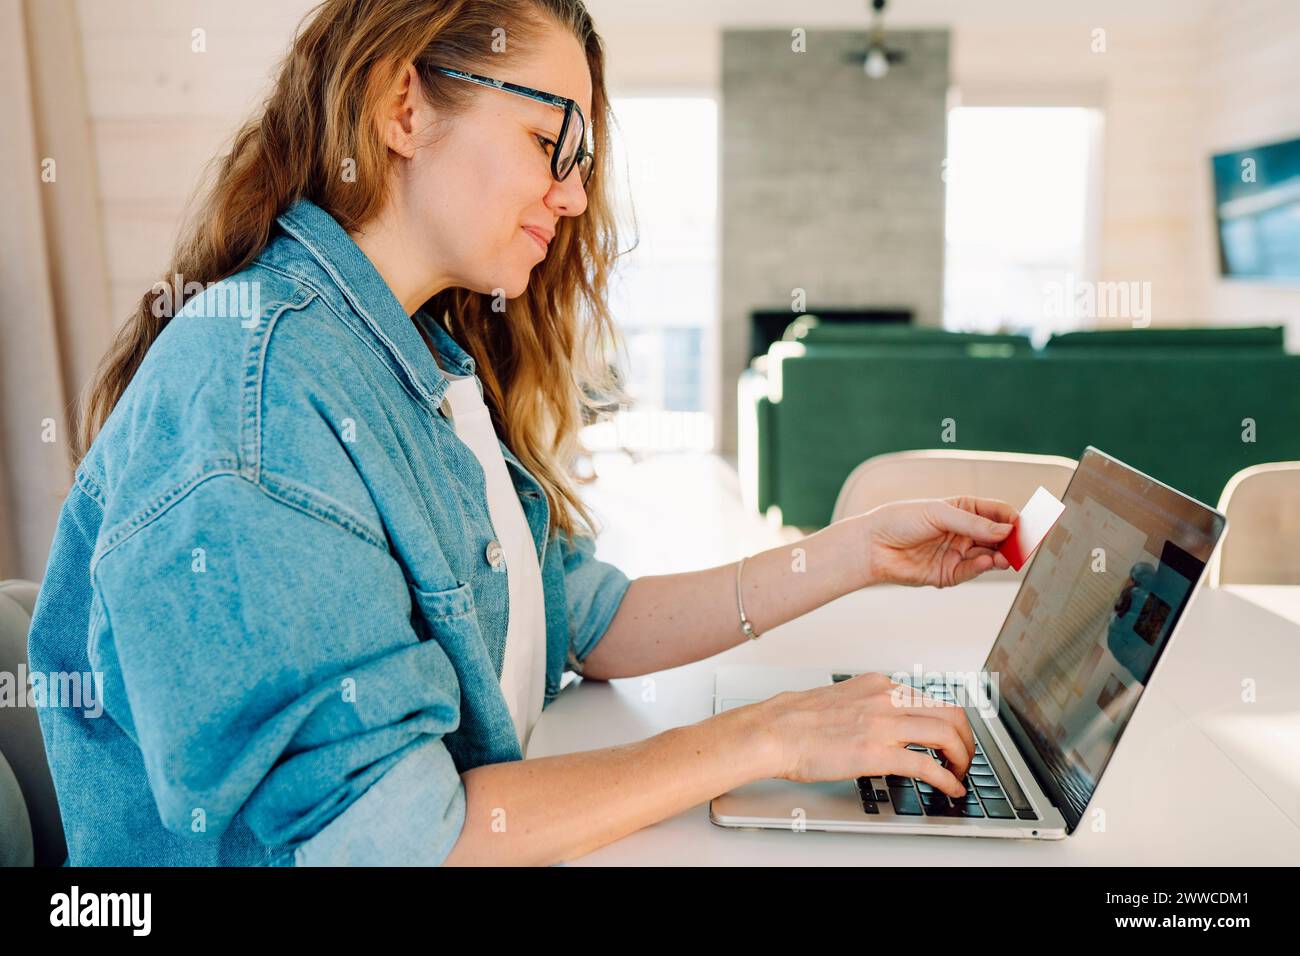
(1268, 337)
(808, 331)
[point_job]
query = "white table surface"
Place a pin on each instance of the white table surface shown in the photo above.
(1282, 599)
(1200, 777)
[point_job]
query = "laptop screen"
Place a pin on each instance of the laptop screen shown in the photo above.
(1094, 611)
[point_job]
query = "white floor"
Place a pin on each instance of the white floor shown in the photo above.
(674, 511)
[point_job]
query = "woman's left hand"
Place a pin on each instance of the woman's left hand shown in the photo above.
(935, 541)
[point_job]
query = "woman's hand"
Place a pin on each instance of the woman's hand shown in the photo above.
(861, 727)
(935, 541)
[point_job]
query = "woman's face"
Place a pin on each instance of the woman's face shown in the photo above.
(477, 195)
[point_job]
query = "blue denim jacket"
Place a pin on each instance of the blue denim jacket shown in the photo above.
(277, 562)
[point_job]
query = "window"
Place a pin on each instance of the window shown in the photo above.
(663, 293)
(1018, 230)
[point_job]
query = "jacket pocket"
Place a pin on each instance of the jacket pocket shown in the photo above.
(486, 733)
(446, 603)
(450, 617)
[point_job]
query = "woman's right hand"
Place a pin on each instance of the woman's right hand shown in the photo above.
(861, 727)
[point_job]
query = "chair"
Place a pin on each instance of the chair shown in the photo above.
(1262, 503)
(943, 473)
(31, 830)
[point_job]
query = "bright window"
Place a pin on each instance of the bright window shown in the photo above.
(1017, 227)
(664, 292)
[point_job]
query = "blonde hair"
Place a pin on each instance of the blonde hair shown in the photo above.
(544, 362)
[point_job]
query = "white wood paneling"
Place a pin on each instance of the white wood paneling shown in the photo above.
(1179, 81)
(1248, 97)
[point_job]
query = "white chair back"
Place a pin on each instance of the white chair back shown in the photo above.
(1262, 503)
(942, 473)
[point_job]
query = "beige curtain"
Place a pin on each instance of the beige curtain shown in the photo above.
(54, 315)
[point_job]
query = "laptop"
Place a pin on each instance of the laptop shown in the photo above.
(1097, 609)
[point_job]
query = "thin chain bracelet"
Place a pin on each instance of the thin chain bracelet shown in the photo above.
(746, 628)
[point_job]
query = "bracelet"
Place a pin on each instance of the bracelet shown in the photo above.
(746, 628)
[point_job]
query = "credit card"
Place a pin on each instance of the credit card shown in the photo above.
(1036, 519)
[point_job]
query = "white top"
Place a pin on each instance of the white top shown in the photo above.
(523, 673)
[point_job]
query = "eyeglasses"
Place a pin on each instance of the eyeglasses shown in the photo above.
(571, 151)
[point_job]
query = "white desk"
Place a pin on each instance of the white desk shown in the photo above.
(1199, 778)
(1282, 599)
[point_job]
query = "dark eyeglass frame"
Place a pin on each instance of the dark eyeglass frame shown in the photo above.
(570, 107)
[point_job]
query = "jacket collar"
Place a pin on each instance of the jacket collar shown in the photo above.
(372, 300)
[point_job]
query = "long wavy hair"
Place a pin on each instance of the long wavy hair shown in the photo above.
(545, 361)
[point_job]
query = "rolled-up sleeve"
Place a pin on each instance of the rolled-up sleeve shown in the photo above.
(264, 660)
(594, 589)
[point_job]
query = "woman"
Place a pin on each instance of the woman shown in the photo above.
(287, 545)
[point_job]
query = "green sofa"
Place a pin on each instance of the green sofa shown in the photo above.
(1169, 401)
(807, 330)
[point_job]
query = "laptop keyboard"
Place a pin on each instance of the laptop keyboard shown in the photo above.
(986, 797)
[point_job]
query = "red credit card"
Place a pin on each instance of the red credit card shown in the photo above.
(1036, 519)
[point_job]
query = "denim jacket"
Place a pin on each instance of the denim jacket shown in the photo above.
(277, 569)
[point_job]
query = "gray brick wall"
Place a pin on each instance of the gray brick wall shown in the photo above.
(830, 182)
